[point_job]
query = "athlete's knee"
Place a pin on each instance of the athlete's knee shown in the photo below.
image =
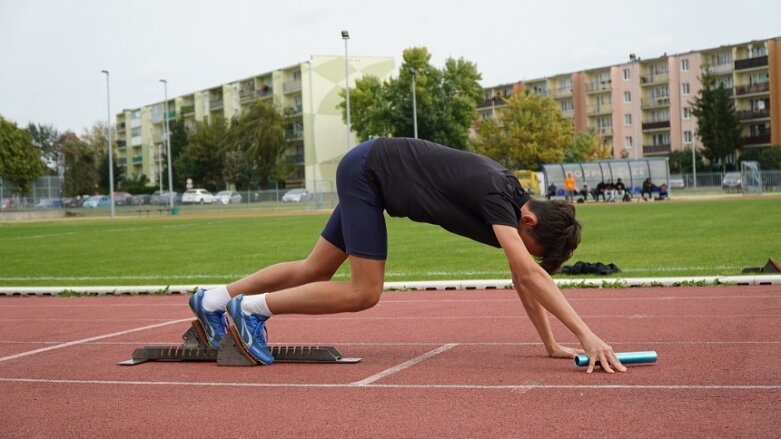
(364, 298)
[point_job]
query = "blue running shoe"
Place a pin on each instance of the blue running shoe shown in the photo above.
(251, 329)
(214, 323)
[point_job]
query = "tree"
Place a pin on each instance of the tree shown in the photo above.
(81, 165)
(20, 161)
(97, 142)
(258, 136)
(681, 161)
(586, 147)
(718, 125)
(46, 139)
(445, 101)
(203, 157)
(178, 143)
(531, 131)
(768, 158)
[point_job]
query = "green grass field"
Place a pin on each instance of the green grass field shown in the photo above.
(677, 238)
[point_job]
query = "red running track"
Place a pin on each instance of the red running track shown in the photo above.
(435, 364)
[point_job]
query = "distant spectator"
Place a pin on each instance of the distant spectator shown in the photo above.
(648, 188)
(619, 191)
(551, 191)
(569, 188)
(599, 191)
(584, 191)
(610, 189)
(663, 195)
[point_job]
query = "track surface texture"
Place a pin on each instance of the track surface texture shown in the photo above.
(435, 364)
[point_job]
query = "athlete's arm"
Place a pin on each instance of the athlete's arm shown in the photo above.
(532, 280)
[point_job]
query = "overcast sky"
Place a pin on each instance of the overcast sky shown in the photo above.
(52, 51)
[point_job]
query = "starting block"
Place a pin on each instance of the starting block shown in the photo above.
(232, 352)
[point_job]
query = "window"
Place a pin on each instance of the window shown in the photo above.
(628, 142)
(687, 113)
(687, 137)
(627, 96)
(721, 58)
(685, 65)
(627, 120)
(627, 74)
(758, 51)
(685, 89)
(566, 105)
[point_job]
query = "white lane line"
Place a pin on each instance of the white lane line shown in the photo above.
(405, 365)
(87, 340)
(515, 387)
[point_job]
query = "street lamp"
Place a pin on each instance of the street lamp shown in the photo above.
(110, 152)
(345, 37)
(414, 104)
(168, 145)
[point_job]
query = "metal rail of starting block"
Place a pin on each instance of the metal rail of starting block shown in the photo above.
(231, 352)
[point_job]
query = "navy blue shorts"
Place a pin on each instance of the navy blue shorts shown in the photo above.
(357, 225)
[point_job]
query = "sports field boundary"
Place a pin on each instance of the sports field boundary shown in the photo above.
(489, 284)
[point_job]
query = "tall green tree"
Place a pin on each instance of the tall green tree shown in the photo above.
(258, 136)
(530, 132)
(46, 139)
(445, 101)
(203, 157)
(718, 125)
(81, 165)
(586, 147)
(178, 143)
(20, 160)
(97, 141)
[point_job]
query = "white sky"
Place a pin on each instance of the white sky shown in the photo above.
(52, 51)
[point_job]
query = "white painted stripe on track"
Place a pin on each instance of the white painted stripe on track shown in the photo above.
(772, 387)
(405, 365)
(87, 340)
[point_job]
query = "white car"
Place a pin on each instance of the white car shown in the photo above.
(227, 197)
(201, 196)
(295, 196)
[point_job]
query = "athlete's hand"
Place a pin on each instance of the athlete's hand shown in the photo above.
(598, 350)
(559, 351)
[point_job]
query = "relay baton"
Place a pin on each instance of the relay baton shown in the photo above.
(623, 357)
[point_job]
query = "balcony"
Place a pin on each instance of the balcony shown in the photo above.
(293, 135)
(656, 149)
(121, 127)
(754, 114)
(293, 110)
(563, 92)
(599, 87)
(760, 87)
(296, 159)
(656, 125)
(658, 78)
(291, 86)
(760, 139)
(751, 63)
(599, 109)
(603, 131)
(654, 102)
(247, 95)
(172, 115)
(138, 159)
(188, 110)
(121, 144)
(493, 102)
(216, 104)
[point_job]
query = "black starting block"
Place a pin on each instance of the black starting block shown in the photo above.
(232, 352)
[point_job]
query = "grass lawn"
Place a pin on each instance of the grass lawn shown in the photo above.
(676, 238)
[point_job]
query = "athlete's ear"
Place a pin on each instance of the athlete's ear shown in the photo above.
(528, 218)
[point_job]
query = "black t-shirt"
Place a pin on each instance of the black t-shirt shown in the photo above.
(462, 192)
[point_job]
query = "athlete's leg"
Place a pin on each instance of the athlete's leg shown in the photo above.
(320, 265)
(362, 291)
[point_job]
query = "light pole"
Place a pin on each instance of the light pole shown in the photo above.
(345, 37)
(110, 152)
(168, 145)
(414, 105)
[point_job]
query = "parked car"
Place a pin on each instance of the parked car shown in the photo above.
(200, 195)
(731, 181)
(227, 197)
(7, 203)
(122, 198)
(97, 201)
(50, 203)
(164, 197)
(137, 200)
(295, 196)
(676, 182)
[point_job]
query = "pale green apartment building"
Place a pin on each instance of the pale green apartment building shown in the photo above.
(307, 93)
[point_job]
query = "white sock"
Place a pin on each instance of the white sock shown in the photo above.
(216, 299)
(255, 305)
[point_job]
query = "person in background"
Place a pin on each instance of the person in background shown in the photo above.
(569, 188)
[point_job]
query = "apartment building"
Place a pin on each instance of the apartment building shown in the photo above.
(307, 93)
(642, 108)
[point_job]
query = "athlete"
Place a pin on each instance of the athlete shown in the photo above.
(465, 193)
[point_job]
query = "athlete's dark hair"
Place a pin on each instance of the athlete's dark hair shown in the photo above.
(557, 231)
